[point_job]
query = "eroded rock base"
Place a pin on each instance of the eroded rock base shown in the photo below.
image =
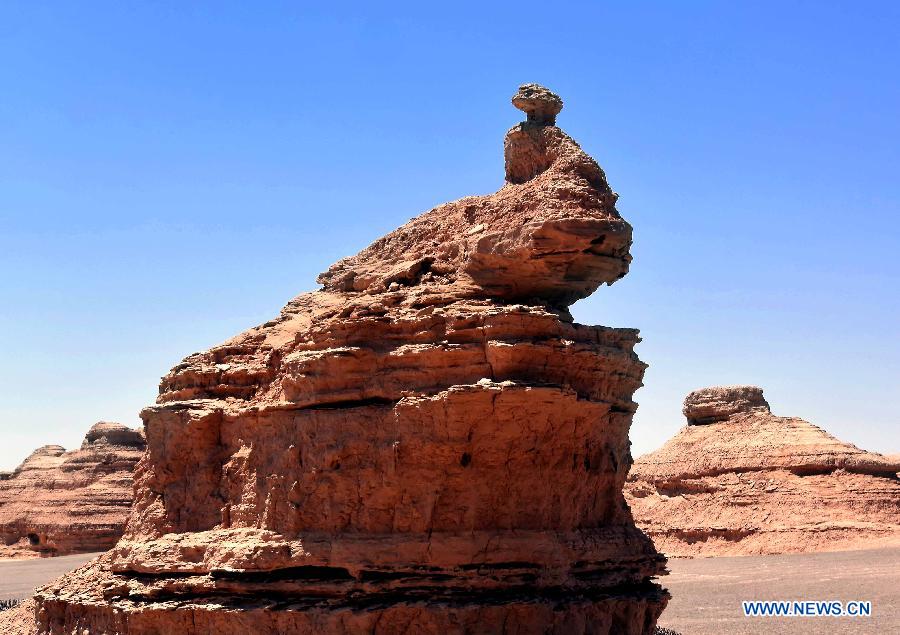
(624, 610)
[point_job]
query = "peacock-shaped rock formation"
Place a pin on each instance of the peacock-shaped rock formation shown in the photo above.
(426, 444)
(740, 480)
(58, 502)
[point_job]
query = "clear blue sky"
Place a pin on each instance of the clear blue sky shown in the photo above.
(170, 175)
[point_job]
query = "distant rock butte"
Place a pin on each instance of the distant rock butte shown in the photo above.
(428, 444)
(740, 480)
(58, 502)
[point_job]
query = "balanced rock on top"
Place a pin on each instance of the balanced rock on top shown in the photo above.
(539, 103)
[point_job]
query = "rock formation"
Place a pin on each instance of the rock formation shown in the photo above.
(740, 480)
(428, 444)
(59, 502)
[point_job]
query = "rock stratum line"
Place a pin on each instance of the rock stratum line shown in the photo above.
(427, 444)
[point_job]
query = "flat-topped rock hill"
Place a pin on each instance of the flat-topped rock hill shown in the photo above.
(58, 502)
(740, 480)
(428, 444)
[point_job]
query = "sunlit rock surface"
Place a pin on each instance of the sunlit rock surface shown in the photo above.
(427, 444)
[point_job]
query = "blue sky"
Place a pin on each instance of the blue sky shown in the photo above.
(171, 175)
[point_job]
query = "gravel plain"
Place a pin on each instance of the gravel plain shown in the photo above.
(18, 578)
(707, 592)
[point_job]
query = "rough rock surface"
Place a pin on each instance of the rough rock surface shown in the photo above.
(19, 620)
(740, 480)
(711, 405)
(59, 502)
(539, 104)
(428, 444)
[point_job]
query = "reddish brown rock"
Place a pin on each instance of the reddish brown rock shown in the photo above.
(740, 480)
(19, 620)
(428, 444)
(59, 502)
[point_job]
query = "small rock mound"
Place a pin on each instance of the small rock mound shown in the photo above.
(58, 502)
(709, 405)
(739, 480)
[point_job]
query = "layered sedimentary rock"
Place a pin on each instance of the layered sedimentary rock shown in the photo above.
(427, 444)
(58, 502)
(740, 480)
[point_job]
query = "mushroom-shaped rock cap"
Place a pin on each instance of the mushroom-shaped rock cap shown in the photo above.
(718, 403)
(539, 103)
(114, 434)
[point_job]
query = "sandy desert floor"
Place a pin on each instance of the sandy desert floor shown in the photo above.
(707, 592)
(18, 578)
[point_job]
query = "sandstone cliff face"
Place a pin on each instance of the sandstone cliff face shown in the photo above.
(428, 444)
(739, 480)
(59, 502)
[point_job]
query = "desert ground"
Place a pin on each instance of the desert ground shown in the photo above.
(18, 578)
(707, 592)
